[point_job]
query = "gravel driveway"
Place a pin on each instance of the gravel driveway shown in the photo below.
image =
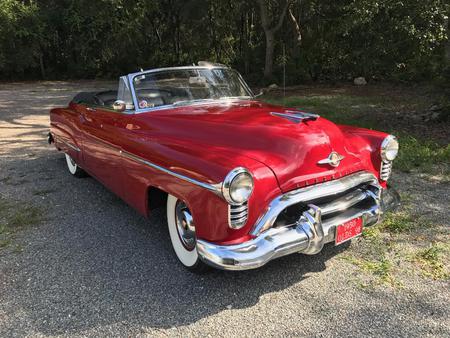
(95, 267)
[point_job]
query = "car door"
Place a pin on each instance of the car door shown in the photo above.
(102, 145)
(103, 135)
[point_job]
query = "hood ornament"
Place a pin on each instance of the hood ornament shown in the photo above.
(296, 116)
(334, 159)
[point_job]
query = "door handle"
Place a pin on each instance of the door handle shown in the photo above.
(91, 109)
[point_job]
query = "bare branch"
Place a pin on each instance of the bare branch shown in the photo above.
(296, 25)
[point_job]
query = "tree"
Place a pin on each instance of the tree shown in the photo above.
(270, 31)
(386, 39)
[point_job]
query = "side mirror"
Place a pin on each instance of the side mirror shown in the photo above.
(119, 106)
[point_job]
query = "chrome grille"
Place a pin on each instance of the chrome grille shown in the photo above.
(346, 206)
(237, 215)
(342, 200)
(386, 169)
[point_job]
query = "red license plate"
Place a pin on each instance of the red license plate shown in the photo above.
(348, 230)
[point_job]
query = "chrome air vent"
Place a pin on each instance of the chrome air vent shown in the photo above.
(237, 215)
(295, 115)
(386, 169)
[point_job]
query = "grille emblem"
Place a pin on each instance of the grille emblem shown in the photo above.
(334, 159)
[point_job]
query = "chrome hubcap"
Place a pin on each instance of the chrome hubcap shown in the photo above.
(185, 225)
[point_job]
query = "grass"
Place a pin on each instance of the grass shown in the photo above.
(422, 155)
(395, 247)
(15, 216)
(431, 261)
(339, 108)
(381, 269)
(398, 222)
(4, 243)
(425, 156)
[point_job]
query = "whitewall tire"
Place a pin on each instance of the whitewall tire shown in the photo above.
(182, 234)
(73, 167)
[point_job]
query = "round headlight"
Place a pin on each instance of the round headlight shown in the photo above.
(237, 186)
(389, 148)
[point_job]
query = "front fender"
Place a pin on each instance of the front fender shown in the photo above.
(367, 143)
(209, 209)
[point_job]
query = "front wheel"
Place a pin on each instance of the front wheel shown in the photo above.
(182, 234)
(73, 167)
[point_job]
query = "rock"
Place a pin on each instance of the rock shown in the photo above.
(435, 107)
(435, 116)
(360, 81)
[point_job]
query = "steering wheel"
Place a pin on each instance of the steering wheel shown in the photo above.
(98, 101)
(155, 90)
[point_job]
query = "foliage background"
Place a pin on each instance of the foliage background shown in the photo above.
(335, 40)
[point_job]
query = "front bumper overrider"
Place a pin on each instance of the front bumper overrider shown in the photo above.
(310, 232)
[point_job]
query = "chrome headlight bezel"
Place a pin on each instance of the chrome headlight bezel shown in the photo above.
(389, 148)
(228, 188)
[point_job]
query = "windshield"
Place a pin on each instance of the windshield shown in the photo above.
(184, 86)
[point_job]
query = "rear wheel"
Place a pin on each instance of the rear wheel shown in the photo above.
(73, 167)
(182, 234)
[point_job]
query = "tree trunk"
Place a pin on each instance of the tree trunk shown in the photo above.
(41, 64)
(270, 47)
(270, 33)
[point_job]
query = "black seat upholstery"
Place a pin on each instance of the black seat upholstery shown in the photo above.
(104, 98)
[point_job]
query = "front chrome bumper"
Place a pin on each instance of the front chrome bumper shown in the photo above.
(307, 236)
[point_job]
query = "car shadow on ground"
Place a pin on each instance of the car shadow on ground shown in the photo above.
(96, 262)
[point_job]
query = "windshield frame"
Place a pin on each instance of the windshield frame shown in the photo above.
(132, 76)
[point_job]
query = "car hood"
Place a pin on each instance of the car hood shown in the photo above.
(291, 149)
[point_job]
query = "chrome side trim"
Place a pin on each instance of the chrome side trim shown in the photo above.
(308, 194)
(215, 188)
(70, 145)
(105, 144)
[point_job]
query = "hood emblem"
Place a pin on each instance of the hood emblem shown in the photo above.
(334, 159)
(296, 116)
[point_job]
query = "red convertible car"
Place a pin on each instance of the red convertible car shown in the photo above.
(244, 182)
